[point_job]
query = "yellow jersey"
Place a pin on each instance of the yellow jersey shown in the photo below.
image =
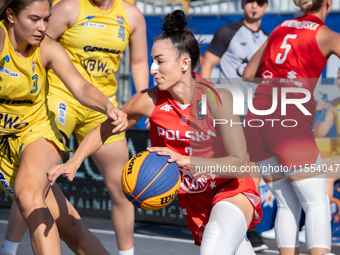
(23, 89)
(55, 2)
(94, 44)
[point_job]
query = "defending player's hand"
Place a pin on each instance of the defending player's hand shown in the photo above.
(179, 159)
(58, 170)
(119, 120)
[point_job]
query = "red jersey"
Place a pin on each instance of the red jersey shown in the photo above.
(293, 58)
(189, 133)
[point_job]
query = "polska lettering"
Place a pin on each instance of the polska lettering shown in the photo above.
(188, 136)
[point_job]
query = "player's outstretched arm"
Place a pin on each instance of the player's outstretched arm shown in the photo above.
(91, 143)
(55, 57)
(141, 104)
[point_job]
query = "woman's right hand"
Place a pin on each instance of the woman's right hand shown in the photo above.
(68, 169)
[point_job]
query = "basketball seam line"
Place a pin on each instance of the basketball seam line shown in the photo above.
(150, 183)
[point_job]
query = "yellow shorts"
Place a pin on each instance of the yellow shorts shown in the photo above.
(72, 116)
(10, 160)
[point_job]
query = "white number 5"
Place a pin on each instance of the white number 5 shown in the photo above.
(286, 47)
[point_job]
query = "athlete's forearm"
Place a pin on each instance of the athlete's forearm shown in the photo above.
(206, 69)
(94, 99)
(91, 143)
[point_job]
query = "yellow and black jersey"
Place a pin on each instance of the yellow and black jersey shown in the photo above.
(94, 44)
(23, 89)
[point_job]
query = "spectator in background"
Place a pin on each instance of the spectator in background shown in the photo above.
(232, 47)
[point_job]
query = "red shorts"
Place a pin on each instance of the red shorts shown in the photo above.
(197, 207)
(292, 146)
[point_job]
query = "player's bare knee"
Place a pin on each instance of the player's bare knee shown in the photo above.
(28, 201)
(120, 201)
(118, 197)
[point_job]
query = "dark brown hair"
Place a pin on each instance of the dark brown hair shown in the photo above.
(19, 5)
(183, 40)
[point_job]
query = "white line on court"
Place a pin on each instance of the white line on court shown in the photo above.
(169, 239)
(110, 232)
(277, 252)
(271, 252)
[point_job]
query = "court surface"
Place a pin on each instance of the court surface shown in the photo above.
(150, 239)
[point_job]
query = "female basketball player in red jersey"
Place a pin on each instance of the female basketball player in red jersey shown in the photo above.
(218, 210)
(292, 61)
(30, 141)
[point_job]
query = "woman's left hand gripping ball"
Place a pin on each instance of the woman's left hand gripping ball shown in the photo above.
(180, 160)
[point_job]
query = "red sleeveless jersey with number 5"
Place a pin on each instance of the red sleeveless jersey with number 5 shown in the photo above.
(293, 55)
(292, 58)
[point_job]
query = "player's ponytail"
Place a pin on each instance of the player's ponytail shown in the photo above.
(183, 40)
(309, 5)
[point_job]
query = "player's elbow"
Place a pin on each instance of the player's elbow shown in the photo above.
(247, 76)
(319, 133)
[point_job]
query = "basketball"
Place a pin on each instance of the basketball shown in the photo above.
(149, 181)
